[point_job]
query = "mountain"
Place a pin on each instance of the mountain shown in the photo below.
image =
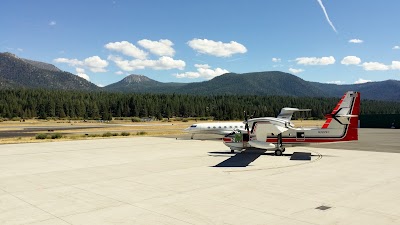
(140, 83)
(260, 83)
(16, 72)
(42, 65)
(387, 90)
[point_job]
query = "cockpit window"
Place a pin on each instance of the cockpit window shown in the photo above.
(193, 126)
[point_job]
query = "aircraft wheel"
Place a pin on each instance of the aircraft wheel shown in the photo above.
(278, 152)
(283, 149)
(232, 151)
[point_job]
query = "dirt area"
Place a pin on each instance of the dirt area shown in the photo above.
(20, 132)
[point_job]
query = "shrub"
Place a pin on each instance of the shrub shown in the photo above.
(107, 134)
(114, 134)
(91, 135)
(56, 136)
(125, 133)
(185, 120)
(141, 133)
(136, 119)
(41, 136)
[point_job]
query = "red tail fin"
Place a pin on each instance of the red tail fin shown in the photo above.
(352, 132)
(345, 116)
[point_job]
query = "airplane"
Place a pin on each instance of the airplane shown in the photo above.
(224, 128)
(270, 133)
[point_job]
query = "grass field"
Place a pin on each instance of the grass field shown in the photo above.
(78, 129)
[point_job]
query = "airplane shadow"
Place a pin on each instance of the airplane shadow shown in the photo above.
(244, 158)
(241, 159)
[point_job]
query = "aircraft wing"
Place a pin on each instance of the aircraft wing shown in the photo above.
(263, 129)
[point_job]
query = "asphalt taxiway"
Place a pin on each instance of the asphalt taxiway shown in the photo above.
(154, 180)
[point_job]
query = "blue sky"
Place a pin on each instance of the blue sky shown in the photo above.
(191, 41)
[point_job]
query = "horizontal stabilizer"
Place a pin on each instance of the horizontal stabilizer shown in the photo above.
(262, 144)
(287, 113)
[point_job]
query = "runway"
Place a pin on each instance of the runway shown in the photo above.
(154, 180)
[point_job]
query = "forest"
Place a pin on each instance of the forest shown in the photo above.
(43, 104)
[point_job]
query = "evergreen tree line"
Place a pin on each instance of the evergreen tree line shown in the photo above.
(38, 103)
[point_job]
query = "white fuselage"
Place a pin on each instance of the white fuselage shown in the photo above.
(215, 128)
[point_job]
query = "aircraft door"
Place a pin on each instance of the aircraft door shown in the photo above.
(300, 136)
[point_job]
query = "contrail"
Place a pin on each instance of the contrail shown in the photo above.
(326, 15)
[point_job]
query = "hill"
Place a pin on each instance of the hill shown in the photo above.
(381, 90)
(140, 83)
(16, 72)
(260, 83)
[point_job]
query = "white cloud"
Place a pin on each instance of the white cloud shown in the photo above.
(356, 41)
(361, 81)
(80, 70)
(295, 71)
(127, 48)
(52, 23)
(70, 62)
(276, 60)
(162, 47)
(395, 65)
(119, 72)
(396, 47)
(326, 15)
(163, 63)
(93, 63)
(338, 82)
(215, 48)
(20, 49)
(316, 61)
(351, 60)
(96, 64)
(203, 71)
(371, 66)
(100, 85)
(81, 73)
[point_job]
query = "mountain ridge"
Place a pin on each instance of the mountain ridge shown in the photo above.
(17, 72)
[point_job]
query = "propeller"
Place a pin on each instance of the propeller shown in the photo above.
(246, 126)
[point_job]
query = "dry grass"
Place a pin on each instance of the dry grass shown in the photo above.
(156, 128)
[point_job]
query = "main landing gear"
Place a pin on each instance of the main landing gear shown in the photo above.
(280, 150)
